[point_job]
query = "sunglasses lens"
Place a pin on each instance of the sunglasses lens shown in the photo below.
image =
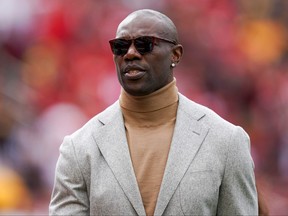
(120, 46)
(144, 44)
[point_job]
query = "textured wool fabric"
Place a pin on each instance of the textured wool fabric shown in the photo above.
(149, 123)
(209, 170)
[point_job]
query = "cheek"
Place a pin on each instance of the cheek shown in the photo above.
(164, 58)
(161, 65)
(117, 64)
(117, 67)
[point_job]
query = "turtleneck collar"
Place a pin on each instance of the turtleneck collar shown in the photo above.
(157, 100)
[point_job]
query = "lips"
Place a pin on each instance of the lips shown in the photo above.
(134, 72)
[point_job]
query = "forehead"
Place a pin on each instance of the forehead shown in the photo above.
(136, 26)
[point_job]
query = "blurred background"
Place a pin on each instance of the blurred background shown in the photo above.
(56, 72)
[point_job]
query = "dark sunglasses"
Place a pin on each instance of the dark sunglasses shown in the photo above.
(143, 45)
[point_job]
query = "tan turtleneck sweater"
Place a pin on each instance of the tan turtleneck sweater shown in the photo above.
(149, 123)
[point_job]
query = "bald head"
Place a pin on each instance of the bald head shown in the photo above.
(144, 65)
(148, 22)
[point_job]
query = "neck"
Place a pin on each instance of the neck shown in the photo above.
(157, 100)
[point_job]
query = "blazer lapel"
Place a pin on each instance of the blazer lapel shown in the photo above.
(187, 139)
(112, 142)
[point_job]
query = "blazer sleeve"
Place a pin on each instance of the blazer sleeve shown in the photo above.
(69, 196)
(238, 194)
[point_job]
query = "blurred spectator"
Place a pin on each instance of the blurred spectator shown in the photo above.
(55, 62)
(14, 194)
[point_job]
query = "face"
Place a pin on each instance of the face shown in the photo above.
(138, 74)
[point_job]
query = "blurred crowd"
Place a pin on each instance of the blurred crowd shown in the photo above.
(57, 71)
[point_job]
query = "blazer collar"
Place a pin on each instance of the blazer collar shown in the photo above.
(193, 109)
(189, 134)
(111, 140)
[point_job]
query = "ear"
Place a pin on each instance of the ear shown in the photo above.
(177, 53)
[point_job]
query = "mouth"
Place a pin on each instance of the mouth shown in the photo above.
(134, 72)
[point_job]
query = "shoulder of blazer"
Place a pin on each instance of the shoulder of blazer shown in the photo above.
(109, 113)
(193, 109)
(202, 113)
(104, 117)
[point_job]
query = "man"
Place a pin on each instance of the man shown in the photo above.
(154, 151)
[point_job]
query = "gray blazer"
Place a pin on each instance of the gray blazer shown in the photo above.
(209, 169)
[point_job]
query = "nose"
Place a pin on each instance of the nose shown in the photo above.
(132, 53)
